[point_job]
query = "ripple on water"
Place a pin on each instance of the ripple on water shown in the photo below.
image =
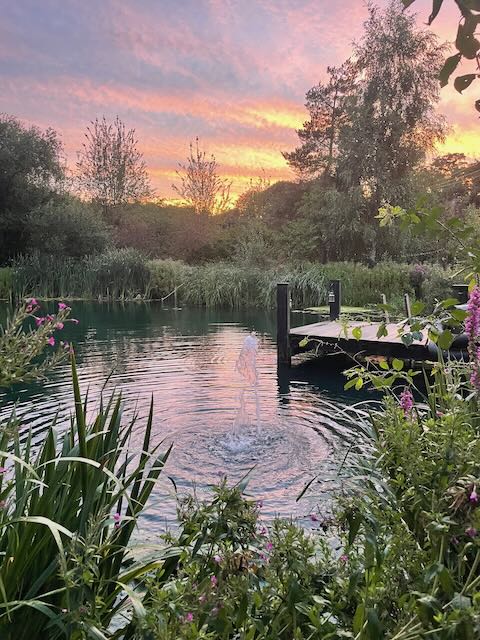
(186, 362)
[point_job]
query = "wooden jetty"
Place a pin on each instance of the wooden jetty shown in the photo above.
(335, 336)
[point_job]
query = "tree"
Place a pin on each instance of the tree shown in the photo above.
(31, 170)
(392, 119)
(200, 184)
(110, 169)
(327, 106)
(467, 45)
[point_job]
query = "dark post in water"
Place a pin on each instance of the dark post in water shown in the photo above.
(283, 324)
(334, 298)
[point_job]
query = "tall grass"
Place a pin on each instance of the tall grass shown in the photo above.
(5, 283)
(115, 274)
(125, 273)
(68, 510)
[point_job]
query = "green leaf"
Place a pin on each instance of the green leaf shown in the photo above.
(461, 602)
(463, 82)
(407, 339)
(358, 384)
(382, 330)
(358, 618)
(357, 333)
(350, 384)
(458, 314)
(384, 365)
(448, 68)
(374, 627)
(449, 302)
(303, 342)
(417, 307)
(407, 3)
(397, 364)
(445, 339)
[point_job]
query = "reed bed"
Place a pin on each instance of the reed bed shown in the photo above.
(121, 274)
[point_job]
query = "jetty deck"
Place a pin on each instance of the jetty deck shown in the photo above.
(333, 335)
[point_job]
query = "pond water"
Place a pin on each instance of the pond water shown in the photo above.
(186, 359)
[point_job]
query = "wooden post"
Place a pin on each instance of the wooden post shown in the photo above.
(385, 313)
(335, 299)
(408, 309)
(283, 324)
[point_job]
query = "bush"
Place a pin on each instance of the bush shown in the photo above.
(5, 283)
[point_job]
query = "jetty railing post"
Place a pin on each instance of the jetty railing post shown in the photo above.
(335, 298)
(283, 324)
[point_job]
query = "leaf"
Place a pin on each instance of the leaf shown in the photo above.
(466, 43)
(448, 68)
(407, 3)
(463, 82)
(458, 314)
(303, 342)
(358, 384)
(407, 339)
(350, 384)
(445, 339)
(449, 302)
(358, 618)
(357, 333)
(397, 364)
(382, 330)
(461, 602)
(384, 365)
(374, 627)
(417, 307)
(436, 6)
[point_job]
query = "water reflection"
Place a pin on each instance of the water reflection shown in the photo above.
(186, 360)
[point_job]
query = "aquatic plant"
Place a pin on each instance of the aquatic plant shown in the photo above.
(68, 508)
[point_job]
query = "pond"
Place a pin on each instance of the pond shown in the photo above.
(186, 359)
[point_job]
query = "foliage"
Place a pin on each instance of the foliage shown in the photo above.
(5, 283)
(200, 184)
(327, 106)
(67, 227)
(466, 44)
(30, 171)
(236, 578)
(392, 123)
(110, 169)
(68, 511)
(24, 340)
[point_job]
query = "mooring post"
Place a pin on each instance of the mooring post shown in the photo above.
(335, 299)
(283, 324)
(460, 291)
(408, 309)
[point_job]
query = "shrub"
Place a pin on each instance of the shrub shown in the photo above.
(5, 283)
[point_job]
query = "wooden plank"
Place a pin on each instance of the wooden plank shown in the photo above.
(335, 330)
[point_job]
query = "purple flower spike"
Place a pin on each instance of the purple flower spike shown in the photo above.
(474, 496)
(214, 581)
(471, 532)
(406, 401)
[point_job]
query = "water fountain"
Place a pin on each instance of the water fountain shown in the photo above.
(240, 437)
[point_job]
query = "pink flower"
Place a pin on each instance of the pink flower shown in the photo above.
(189, 617)
(473, 496)
(33, 302)
(116, 518)
(215, 611)
(472, 329)
(62, 305)
(59, 325)
(263, 531)
(50, 318)
(214, 581)
(51, 341)
(313, 517)
(343, 558)
(406, 401)
(39, 321)
(217, 559)
(259, 504)
(269, 546)
(202, 598)
(3, 469)
(471, 532)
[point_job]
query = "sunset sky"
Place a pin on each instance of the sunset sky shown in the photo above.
(233, 72)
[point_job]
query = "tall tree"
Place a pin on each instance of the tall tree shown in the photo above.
(327, 107)
(392, 123)
(110, 169)
(200, 183)
(31, 169)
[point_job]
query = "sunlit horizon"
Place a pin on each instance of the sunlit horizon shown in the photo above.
(234, 74)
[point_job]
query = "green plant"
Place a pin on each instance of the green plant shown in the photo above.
(68, 511)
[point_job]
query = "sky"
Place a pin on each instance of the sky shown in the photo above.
(232, 72)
